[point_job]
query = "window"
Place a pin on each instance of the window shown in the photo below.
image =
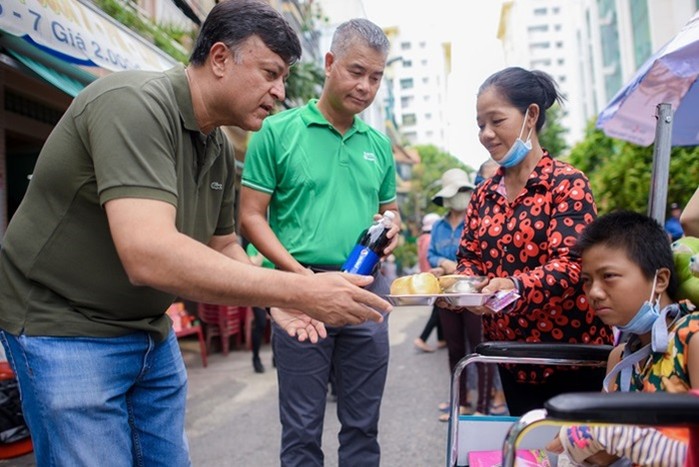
(407, 63)
(539, 28)
(555, 10)
(406, 83)
(540, 11)
(544, 62)
(561, 61)
(423, 44)
(409, 119)
(641, 32)
(406, 101)
(539, 45)
(425, 80)
(428, 116)
(405, 46)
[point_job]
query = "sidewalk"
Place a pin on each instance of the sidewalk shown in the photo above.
(232, 412)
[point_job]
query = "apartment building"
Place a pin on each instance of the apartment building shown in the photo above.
(590, 47)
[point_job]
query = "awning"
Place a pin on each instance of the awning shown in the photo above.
(81, 34)
(63, 82)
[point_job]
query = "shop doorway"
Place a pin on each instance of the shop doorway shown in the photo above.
(20, 158)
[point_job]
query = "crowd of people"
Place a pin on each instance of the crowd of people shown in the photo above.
(128, 209)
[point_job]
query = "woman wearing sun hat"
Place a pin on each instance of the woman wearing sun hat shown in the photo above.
(462, 331)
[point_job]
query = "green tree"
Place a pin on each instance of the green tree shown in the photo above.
(552, 136)
(305, 82)
(620, 172)
(424, 183)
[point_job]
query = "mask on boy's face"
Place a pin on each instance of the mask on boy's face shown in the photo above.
(642, 322)
(458, 202)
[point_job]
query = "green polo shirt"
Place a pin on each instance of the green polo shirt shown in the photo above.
(129, 135)
(325, 187)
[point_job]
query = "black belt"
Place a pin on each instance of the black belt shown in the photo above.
(322, 267)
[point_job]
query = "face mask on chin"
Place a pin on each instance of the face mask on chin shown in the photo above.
(519, 149)
(458, 202)
(643, 320)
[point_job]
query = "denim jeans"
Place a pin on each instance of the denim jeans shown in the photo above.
(102, 401)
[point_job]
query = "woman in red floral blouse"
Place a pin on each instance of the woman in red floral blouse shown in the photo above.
(521, 224)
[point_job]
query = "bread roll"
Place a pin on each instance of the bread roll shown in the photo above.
(424, 283)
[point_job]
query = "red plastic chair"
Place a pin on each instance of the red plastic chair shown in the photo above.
(23, 446)
(222, 321)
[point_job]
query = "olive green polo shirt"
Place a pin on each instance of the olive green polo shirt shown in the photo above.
(325, 187)
(129, 135)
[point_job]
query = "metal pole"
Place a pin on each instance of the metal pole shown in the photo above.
(657, 199)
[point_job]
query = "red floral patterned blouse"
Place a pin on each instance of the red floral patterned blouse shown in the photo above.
(531, 239)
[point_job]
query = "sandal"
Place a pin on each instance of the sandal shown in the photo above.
(443, 406)
(499, 409)
(463, 410)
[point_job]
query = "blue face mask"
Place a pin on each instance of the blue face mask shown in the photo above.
(519, 149)
(643, 321)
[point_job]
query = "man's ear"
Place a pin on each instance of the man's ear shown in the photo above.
(329, 60)
(218, 54)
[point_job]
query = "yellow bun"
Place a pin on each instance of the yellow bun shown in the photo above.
(422, 283)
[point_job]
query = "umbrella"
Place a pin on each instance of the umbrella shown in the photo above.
(642, 111)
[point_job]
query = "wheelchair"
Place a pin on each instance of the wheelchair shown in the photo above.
(516, 353)
(615, 408)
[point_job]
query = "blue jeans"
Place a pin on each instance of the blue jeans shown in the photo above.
(102, 401)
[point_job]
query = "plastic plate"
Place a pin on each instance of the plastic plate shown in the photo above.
(413, 300)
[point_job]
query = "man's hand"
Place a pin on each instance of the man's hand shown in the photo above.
(298, 324)
(338, 300)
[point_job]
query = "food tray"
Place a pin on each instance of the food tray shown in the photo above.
(454, 299)
(467, 299)
(413, 299)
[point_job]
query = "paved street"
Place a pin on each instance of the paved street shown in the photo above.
(232, 411)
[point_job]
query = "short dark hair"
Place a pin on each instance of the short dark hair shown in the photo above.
(523, 88)
(645, 241)
(233, 21)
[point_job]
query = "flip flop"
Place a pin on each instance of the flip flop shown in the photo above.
(443, 406)
(499, 409)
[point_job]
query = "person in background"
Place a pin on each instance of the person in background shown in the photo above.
(130, 205)
(628, 275)
(259, 324)
(423, 245)
(324, 175)
(486, 170)
(521, 225)
(673, 227)
(462, 331)
(690, 216)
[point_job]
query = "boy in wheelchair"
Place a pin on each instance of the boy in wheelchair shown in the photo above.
(629, 278)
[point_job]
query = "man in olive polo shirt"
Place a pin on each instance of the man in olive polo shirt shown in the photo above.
(323, 175)
(131, 204)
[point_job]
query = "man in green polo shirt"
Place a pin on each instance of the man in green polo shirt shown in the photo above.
(132, 203)
(323, 175)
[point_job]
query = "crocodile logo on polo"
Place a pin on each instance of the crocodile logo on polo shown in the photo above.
(370, 156)
(216, 186)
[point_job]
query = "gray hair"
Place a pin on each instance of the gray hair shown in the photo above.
(359, 29)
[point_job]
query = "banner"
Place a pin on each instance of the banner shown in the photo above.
(78, 34)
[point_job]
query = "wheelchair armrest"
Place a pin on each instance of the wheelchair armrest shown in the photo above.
(638, 408)
(588, 352)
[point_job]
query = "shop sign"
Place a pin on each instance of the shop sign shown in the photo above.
(77, 33)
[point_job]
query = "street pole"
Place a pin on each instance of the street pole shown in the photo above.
(657, 199)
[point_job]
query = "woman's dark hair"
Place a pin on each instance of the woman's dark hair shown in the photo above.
(643, 239)
(523, 88)
(233, 21)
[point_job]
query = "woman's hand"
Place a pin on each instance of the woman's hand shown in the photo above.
(490, 287)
